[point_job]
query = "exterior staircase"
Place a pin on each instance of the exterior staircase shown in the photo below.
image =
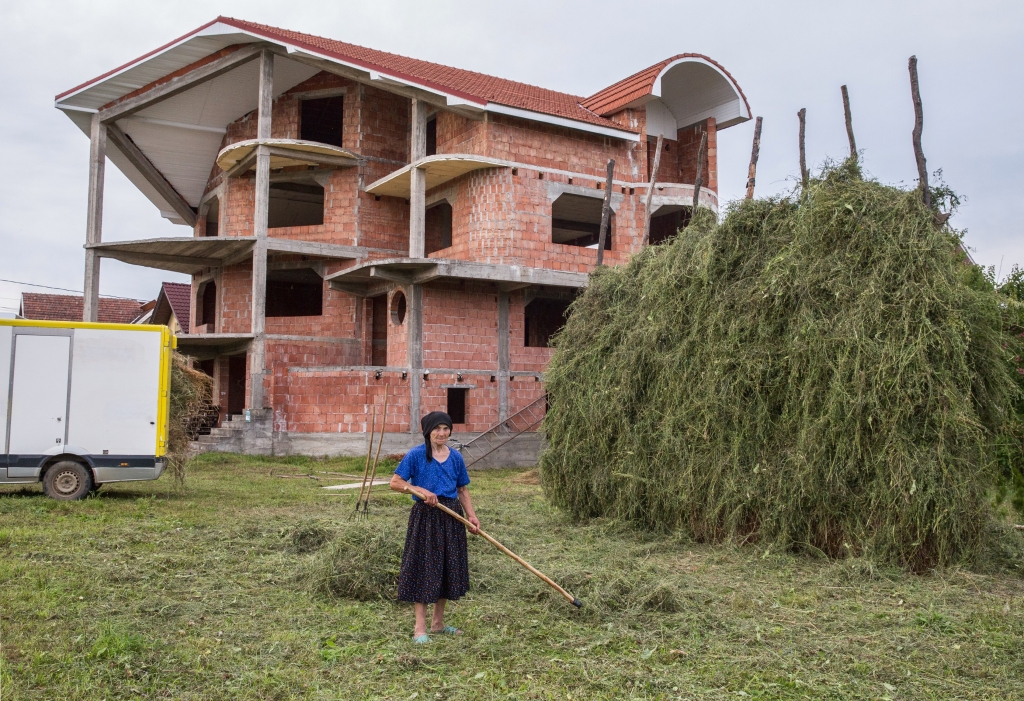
(501, 434)
(221, 438)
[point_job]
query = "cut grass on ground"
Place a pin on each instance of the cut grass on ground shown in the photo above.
(217, 592)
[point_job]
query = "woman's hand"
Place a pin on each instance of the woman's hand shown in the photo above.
(475, 528)
(429, 498)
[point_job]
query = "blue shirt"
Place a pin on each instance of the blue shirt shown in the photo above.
(441, 478)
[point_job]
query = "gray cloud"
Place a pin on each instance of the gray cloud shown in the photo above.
(785, 55)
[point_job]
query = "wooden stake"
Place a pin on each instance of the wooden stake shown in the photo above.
(369, 450)
(752, 171)
(606, 213)
(480, 532)
(849, 123)
(376, 458)
(650, 192)
(804, 177)
(922, 167)
(700, 173)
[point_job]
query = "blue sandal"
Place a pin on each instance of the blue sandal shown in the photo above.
(420, 639)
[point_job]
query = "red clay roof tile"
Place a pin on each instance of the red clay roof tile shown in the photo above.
(36, 305)
(476, 87)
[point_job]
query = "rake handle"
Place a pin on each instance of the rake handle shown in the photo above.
(479, 531)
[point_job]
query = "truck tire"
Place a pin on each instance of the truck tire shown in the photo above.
(67, 481)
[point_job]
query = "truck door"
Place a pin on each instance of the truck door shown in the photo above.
(39, 399)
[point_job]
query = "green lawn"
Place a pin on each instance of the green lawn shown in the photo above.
(145, 591)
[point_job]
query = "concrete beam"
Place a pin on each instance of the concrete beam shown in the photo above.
(257, 364)
(180, 83)
(153, 176)
(414, 344)
(503, 355)
(417, 180)
(94, 218)
(243, 166)
(147, 258)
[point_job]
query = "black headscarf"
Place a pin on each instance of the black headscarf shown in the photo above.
(431, 421)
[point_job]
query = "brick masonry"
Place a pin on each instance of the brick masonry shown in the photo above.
(320, 378)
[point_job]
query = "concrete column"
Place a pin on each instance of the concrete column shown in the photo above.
(258, 359)
(417, 180)
(94, 218)
(414, 312)
(503, 356)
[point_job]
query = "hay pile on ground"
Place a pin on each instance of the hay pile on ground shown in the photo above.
(191, 393)
(360, 562)
(813, 372)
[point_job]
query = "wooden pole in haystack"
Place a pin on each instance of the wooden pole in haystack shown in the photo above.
(754, 152)
(804, 175)
(922, 168)
(849, 123)
(650, 192)
(606, 213)
(699, 180)
(369, 451)
(376, 458)
(480, 532)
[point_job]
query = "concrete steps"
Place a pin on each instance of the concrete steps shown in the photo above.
(223, 438)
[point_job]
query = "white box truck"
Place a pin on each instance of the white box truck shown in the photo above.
(83, 404)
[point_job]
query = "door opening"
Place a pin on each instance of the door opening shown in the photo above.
(236, 384)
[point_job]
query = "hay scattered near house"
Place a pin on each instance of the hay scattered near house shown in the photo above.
(814, 371)
(191, 392)
(361, 562)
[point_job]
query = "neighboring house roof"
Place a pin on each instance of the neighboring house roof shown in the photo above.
(174, 298)
(48, 307)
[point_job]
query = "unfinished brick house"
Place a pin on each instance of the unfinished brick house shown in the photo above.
(361, 220)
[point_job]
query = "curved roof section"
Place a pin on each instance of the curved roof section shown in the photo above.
(689, 84)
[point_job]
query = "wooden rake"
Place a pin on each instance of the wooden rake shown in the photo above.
(480, 532)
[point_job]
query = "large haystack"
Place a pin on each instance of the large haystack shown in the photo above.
(813, 372)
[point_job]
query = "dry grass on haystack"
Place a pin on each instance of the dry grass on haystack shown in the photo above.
(191, 392)
(815, 371)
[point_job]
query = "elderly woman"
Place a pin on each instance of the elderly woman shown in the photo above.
(435, 563)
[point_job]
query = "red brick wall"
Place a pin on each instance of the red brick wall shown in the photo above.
(500, 216)
(689, 146)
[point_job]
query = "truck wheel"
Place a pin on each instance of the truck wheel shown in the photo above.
(67, 481)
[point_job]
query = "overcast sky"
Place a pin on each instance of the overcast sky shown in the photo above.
(785, 55)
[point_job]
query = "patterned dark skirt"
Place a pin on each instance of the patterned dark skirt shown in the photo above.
(435, 563)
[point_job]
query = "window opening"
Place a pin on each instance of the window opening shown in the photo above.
(398, 308)
(457, 404)
(438, 226)
(213, 217)
(295, 204)
(297, 292)
(321, 120)
(576, 221)
(207, 304)
(666, 222)
(379, 331)
(543, 319)
(432, 136)
(207, 366)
